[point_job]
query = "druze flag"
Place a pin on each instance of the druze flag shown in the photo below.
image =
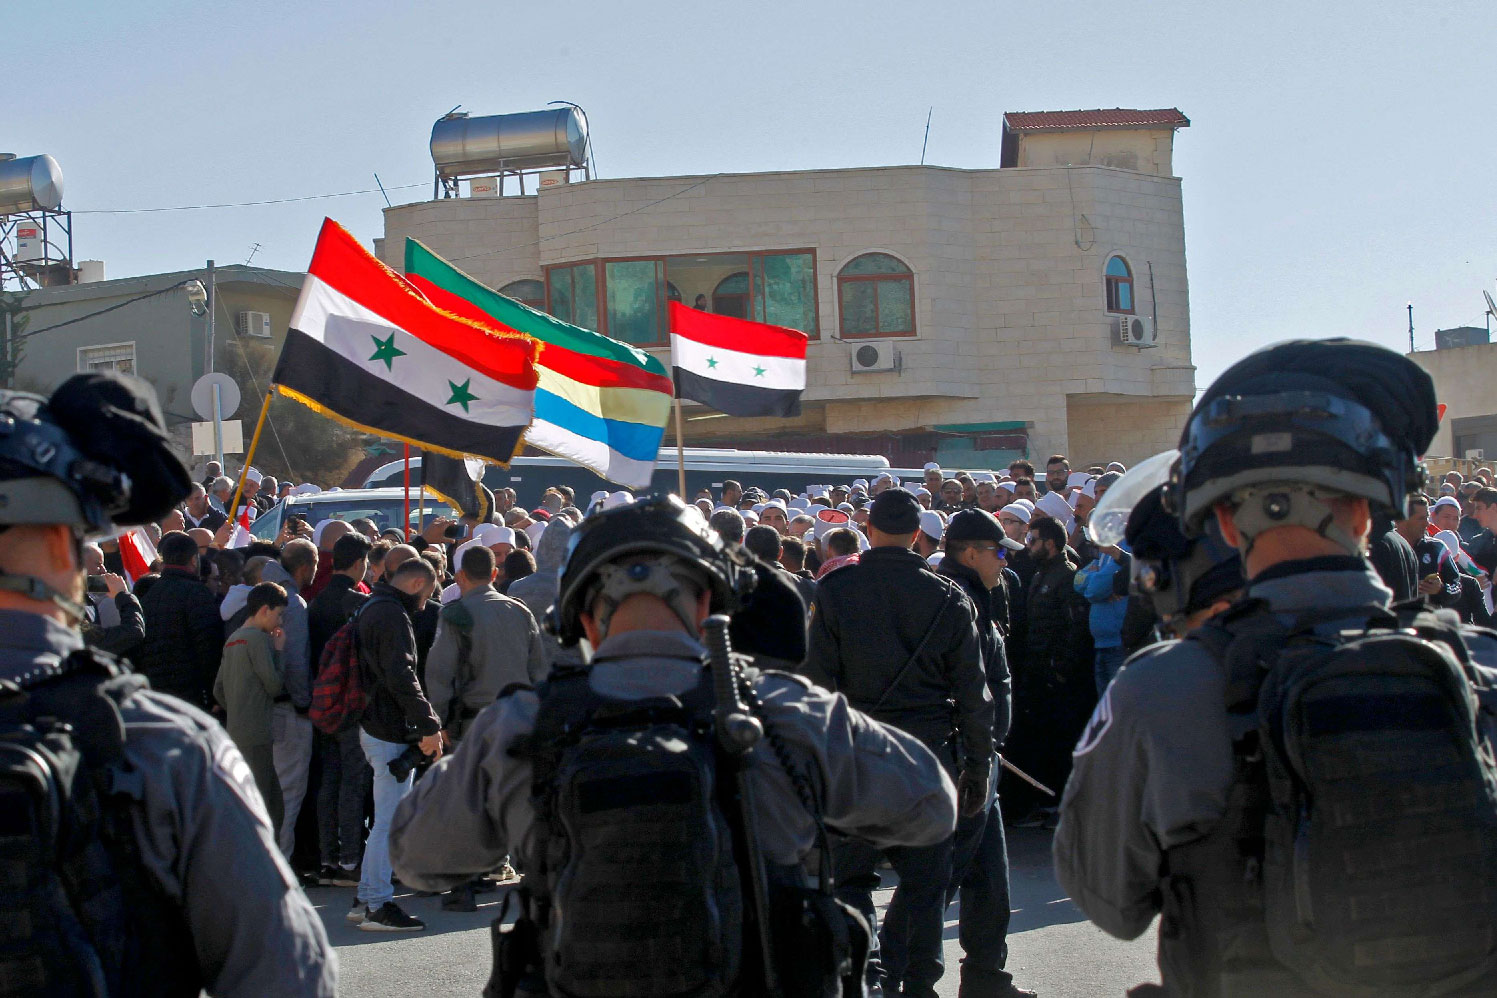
(599, 403)
(367, 348)
(735, 366)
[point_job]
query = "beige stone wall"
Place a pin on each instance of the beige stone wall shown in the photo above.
(1148, 150)
(1114, 428)
(1009, 300)
(1464, 379)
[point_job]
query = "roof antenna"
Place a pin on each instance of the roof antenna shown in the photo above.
(927, 133)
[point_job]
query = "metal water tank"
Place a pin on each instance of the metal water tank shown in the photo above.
(532, 140)
(29, 183)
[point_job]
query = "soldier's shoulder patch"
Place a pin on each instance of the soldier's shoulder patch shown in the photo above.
(1097, 726)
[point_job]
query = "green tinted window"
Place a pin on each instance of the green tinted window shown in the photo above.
(874, 263)
(895, 312)
(633, 300)
(574, 295)
(858, 316)
(785, 291)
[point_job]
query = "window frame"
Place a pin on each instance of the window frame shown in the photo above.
(1110, 282)
(754, 270)
(908, 277)
(134, 356)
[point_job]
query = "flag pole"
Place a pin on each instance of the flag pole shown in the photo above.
(680, 454)
(408, 492)
(250, 457)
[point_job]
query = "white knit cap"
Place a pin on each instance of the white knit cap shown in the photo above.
(1018, 509)
(617, 499)
(499, 535)
(1077, 479)
(932, 466)
(251, 475)
(931, 525)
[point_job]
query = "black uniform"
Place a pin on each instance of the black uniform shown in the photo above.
(1394, 560)
(902, 644)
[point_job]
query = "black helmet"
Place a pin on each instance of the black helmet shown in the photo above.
(658, 524)
(1178, 574)
(93, 456)
(1303, 421)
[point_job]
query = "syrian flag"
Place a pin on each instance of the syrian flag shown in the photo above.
(367, 348)
(735, 366)
(137, 553)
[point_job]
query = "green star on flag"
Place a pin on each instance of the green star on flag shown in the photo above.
(711, 361)
(758, 372)
(461, 395)
(386, 350)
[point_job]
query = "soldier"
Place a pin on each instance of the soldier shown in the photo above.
(175, 883)
(639, 582)
(1302, 787)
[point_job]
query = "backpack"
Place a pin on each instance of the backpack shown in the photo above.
(638, 889)
(338, 696)
(1372, 770)
(79, 914)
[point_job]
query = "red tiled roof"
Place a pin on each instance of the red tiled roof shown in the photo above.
(1117, 117)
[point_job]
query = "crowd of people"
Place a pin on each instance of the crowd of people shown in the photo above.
(389, 693)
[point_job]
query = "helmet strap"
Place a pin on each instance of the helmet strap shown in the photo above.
(33, 588)
(1264, 507)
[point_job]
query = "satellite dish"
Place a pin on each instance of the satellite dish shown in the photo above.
(1491, 305)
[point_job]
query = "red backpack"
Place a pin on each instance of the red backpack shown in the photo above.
(338, 698)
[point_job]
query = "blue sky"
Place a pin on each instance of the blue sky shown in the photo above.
(1339, 161)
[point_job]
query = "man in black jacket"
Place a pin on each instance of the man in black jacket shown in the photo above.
(1394, 559)
(976, 548)
(397, 717)
(184, 635)
(345, 771)
(902, 644)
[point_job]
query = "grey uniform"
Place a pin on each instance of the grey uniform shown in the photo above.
(506, 650)
(474, 806)
(203, 836)
(1154, 764)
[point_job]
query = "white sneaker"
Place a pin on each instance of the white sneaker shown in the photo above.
(358, 913)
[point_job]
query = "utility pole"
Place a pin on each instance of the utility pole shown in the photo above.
(209, 366)
(1411, 327)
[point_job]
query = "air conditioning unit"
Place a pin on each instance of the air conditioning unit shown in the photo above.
(1135, 331)
(874, 357)
(253, 324)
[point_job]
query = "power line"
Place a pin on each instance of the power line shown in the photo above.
(240, 204)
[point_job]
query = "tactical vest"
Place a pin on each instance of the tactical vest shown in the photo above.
(79, 913)
(1357, 855)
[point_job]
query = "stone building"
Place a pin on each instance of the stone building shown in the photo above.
(995, 301)
(1463, 377)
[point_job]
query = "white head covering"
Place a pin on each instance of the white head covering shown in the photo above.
(1444, 501)
(1026, 503)
(462, 549)
(1007, 486)
(1055, 504)
(816, 507)
(800, 503)
(484, 531)
(598, 497)
(984, 476)
(860, 483)
(535, 530)
(932, 466)
(450, 594)
(318, 531)
(758, 507)
(1018, 509)
(1451, 541)
(1090, 489)
(934, 561)
(617, 499)
(252, 475)
(931, 525)
(749, 517)
(846, 507)
(882, 475)
(1077, 479)
(305, 489)
(828, 520)
(922, 492)
(1117, 466)
(499, 535)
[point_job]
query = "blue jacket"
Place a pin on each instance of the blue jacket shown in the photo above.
(1096, 582)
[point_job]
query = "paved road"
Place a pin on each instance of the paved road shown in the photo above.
(1052, 948)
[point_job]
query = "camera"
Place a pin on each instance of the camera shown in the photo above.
(96, 584)
(403, 765)
(454, 531)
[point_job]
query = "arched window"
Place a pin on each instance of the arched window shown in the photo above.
(731, 296)
(527, 292)
(877, 295)
(1119, 286)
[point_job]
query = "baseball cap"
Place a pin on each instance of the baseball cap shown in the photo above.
(979, 525)
(931, 525)
(895, 511)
